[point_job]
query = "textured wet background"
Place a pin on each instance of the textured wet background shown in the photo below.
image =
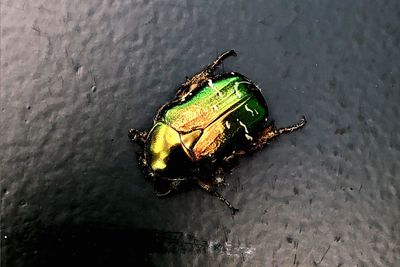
(75, 75)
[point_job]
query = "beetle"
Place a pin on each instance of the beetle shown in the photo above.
(213, 120)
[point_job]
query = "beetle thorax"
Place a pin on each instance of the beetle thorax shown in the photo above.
(167, 151)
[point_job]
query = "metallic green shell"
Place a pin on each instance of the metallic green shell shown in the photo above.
(224, 112)
(212, 101)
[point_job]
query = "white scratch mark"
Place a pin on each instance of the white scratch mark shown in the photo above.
(236, 86)
(237, 93)
(248, 137)
(249, 110)
(243, 125)
(219, 180)
(227, 124)
(211, 85)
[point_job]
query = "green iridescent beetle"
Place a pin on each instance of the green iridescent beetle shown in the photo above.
(212, 121)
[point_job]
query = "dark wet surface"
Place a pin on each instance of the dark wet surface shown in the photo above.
(76, 75)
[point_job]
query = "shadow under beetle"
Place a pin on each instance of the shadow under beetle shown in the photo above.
(212, 121)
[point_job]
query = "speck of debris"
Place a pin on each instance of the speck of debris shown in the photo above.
(295, 190)
(289, 239)
(94, 88)
(36, 29)
(77, 67)
(340, 131)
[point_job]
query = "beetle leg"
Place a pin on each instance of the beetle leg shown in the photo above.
(207, 73)
(232, 157)
(219, 178)
(145, 167)
(137, 136)
(157, 186)
(271, 132)
(292, 128)
(173, 186)
(213, 191)
(158, 194)
(211, 68)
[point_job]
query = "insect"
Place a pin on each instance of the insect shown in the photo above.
(213, 120)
